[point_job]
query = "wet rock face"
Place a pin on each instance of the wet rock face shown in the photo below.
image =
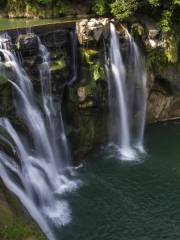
(27, 44)
(6, 44)
(164, 97)
(163, 66)
(86, 128)
(171, 76)
(90, 89)
(59, 46)
(161, 60)
(150, 34)
(162, 107)
(155, 38)
(26, 47)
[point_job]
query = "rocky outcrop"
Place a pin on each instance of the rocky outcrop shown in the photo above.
(59, 46)
(167, 107)
(163, 65)
(89, 93)
(160, 50)
(58, 41)
(92, 30)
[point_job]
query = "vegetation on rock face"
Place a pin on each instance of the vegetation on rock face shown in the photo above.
(100, 7)
(93, 63)
(123, 9)
(14, 223)
(165, 12)
(18, 229)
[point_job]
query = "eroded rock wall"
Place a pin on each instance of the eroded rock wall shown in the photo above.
(161, 57)
(87, 97)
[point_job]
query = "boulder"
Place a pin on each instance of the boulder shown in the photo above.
(92, 29)
(155, 37)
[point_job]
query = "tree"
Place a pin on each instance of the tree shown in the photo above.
(122, 9)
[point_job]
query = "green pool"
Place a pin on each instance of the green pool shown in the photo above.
(129, 201)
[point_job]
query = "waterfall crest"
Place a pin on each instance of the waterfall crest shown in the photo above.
(127, 97)
(42, 172)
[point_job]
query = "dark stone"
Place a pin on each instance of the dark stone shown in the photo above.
(28, 44)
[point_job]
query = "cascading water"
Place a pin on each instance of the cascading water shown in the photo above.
(74, 57)
(137, 81)
(120, 93)
(53, 121)
(42, 172)
(120, 130)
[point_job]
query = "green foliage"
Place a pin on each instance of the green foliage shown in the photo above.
(166, 22)
(154, 3)
(45, 1)
(63, 7)
(171, 50)
(123, 9)
(3, 79)
(19, 230)
(97, 70)
(155, 58)
(87, 55)
(166, 12)
(160, 57)
(100, 7)
(58, 65)
(176, 2)
(92, 71)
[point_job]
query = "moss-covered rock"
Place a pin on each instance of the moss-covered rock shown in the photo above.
(91, 85)
(15, 224)
(3, 79)
(58, 65)
(92, 30)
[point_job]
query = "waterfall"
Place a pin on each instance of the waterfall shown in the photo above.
(120, 129)
(126, 98)
(53, 120)
(42, 172)
(74, 57)
(137, 82)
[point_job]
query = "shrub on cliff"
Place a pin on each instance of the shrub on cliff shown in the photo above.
(123, 9)
(100, 7)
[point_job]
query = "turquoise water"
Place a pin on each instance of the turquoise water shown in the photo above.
(129, 201)
(6, 23)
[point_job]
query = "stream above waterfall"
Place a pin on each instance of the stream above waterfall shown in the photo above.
(6, 23)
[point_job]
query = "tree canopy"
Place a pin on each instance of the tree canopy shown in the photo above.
(166, 12)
